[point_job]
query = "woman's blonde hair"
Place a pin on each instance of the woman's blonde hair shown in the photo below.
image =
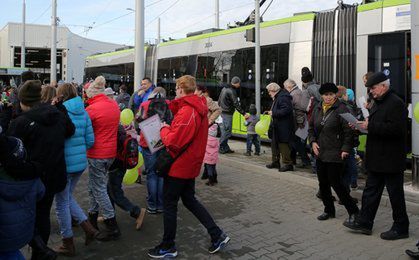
(66, 91)
(187, 83)
(48, 93)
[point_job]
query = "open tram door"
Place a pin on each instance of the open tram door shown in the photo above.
(390, 53)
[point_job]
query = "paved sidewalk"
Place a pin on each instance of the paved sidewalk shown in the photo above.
(269, 215)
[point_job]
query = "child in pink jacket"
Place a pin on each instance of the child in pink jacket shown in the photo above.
(211, 155)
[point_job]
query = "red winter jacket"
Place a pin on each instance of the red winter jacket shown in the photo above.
(104, 114)
(189, 125)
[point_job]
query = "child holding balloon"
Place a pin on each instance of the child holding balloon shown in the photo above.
(117, 172)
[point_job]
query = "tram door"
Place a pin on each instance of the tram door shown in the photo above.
(390, 54)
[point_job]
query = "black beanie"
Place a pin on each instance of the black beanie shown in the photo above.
(328, 87)
(306, 75)
(30, 93)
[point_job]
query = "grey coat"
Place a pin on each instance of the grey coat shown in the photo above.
(300, 109)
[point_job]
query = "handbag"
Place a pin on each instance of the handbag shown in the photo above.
(165, 161)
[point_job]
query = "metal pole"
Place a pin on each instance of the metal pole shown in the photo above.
(217, 14)
(53, 76)
(23, 48)
(139, 44)
(158, 31)
(257, 56)
(415, 91)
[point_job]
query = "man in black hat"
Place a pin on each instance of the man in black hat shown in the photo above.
(384, 160)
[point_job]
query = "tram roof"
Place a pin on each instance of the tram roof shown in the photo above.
(296, 18)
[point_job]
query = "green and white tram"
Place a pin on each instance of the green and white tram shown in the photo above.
(338, 45)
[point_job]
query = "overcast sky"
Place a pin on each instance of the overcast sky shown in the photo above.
(178, 17)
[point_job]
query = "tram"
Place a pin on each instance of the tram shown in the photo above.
(338, 45)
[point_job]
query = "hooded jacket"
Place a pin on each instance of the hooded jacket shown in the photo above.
(17, 212)
(189, 128)
(43, 130)
(83, 138)
(104, 114)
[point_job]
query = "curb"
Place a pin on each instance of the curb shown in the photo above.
(411, 197)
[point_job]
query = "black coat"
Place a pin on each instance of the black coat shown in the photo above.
(386, 139)
(335, 136)
(282, 123)
(228, 101)
(43, 130)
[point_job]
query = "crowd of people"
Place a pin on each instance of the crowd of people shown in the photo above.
(51, 134)
(83, 130)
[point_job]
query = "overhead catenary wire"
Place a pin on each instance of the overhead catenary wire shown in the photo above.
(42, 14)
(267, 8)
(167, 9)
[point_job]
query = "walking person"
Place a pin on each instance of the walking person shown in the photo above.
(331, 139)
(252, 136)
(20, 189)
(126, 136)
(42, 125)
(157, 104)
(281, 129)
(229, 103)
(66, 206)
(104, 114)
(384, 159)
(211, 156)
(298, 145)
(186, 137)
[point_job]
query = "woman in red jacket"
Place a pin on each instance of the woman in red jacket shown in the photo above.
(104, 114)
(188, 132)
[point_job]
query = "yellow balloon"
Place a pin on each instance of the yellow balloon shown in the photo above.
(262, 126)
(126, 116)
(131, 176)
(140, 160)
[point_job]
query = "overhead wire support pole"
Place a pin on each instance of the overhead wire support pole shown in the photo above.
(23, 48)
(217, 14)
(53, 75)
(139, 44)
(415, 92)
(257, 56)
(158, 31)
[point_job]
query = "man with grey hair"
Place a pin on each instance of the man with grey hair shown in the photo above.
(297, 144)
(281, 129)
(228, 102)
(384, 160)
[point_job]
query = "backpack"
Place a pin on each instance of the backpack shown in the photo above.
(127, 149)
(159, 106)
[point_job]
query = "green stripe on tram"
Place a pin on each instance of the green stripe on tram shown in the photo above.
(382, 4)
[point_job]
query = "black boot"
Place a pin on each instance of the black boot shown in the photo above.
(93, 219)
(273, 165)
(215, 177)
(204, 174)
(111, 231)
(40, 251)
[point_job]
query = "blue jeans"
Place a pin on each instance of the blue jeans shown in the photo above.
(253, 139)
(226, 128)
(116, 194)
(154, 182)
(98, 182)
(66, 207)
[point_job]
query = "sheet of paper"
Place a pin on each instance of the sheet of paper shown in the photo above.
(409, 110)
(302, 132)
(151, 131)
(362, 101)
(352, 120)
